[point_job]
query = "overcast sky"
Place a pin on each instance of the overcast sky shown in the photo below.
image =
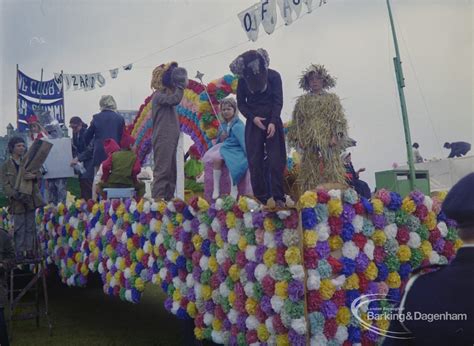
(351, 38)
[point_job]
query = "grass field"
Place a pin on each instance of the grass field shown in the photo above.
(86, 316)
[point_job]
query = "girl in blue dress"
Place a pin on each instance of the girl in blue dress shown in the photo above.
(229, 149)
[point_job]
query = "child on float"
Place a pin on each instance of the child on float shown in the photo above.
(229, 149)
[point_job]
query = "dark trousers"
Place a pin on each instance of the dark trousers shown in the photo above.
(266, 178)
(3, 329)
(86, 188)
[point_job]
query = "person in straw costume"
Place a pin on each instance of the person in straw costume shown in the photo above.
(319, 130)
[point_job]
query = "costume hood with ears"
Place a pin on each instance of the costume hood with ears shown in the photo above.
(252, 66)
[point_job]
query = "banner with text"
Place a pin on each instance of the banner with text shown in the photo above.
(27, 107)
(47, 90)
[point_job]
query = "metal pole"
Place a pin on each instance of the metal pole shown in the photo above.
(401, 84)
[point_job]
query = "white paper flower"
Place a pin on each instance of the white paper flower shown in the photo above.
(146, 207)
(250, 253)
(233, 236)
(248, 220)
(217, 337)
(283, 214)
(323, 231)
(224, 290)
(128, 295)
(203, 230)
(443, 228)
(297, 271)
(232, 316)
(186, 226)
(154, 206)
(339, 281)
(248, 288)
(350, 250)
(123, 238)
(159, 239)
(189, 280)
(415, 240)
(216, 225)
(314, 280)
(133, 206)
(251, 322)
(277, 304)
(219, 203)
(179, 246)
(369, 248)
(170, 207)
(269, 239)
(221, 256)
(335, 194)
(428, 202)
(319, 340)
(358, 223)
(299, 325)
(163, 272)
(204, 262)
(391, 231)
(341, 334)
(151, 261)
(434, 257)
(261, 271)
(269, 325)
(291, 238)
(252, 205)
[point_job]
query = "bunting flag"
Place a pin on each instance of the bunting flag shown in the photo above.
(264, 13)
(128, 67)
(85, 82)
(114, 73)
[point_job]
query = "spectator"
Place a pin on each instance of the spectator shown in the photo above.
(106, 124)
(416, 153)
(7, 258)
(458, 149)
(22, 206)
(450, 287)
(352, 176)
(82, 153)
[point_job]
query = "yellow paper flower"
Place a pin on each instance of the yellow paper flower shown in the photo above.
(404, 253)
(310, 238)
(140, 206)
(69, 262)
(379, 237)
(126, 216)
(293, 255)
(393, 280)
(206, 292)
(234, 84)
(251, 306)
(108, 250)
(282, 340)
(95, 208)
(383, 323)
(84, 270)
(243, 204)
(211, 133)
(176, 295)
(158, 224)
(161, 207)
(179, 218)
(197, 242)
(426, 248)
(130, 245)
(335, 242)
(269, 257)
(262, 333)
(372, 271)
(327, 289)
(430, 221)
(343, 316)
(202, 204)
(170, 228)
(281, 289)
(140, 254)
(309, 199)
(408, 205)
(199, 333)
(78, 257)
(335, 207)
(230, 220)
(268, 224)
(234, 272)
(216, 324)
(231, 297)
(457, 244)
(75, 234)
(191, 309)
(219, 241)
(242, 244)
(108, 277)
(121, 264)
(140, 229)
(378, 206)
(352, 282)
(213, 265)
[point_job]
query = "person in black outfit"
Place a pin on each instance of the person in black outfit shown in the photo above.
(447, 290)
(82, 153)
(352, 177)
(458, 149)
(260, 100)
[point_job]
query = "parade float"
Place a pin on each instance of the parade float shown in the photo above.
(246, 273)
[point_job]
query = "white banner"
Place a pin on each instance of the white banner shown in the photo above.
(296, 6)
(84, 82)
(286, 10)
(268, 15)
(250, 20)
